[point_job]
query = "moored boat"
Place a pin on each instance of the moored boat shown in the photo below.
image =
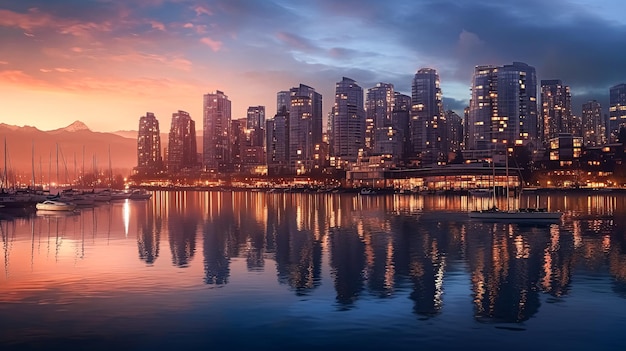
(525, 214)
(139, 194)
(53, 205)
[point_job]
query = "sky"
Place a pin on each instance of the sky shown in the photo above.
(107, 63)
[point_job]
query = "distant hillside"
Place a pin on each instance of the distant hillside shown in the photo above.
(76, 145)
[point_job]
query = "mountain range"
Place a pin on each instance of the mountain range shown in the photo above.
(70, 149)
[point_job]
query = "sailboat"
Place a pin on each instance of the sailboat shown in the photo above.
(513, 215)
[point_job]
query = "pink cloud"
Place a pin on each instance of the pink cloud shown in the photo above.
(64, 70)
(18, 77)
(26, 21)
(157, 25)
(4, 62)
(203, 10)
(215, 45)
(188, 25)
(34, 19)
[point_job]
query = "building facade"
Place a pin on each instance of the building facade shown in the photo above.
(427, 124)
(617, 110)
(556, 109)
(255, 123)
(401, 117)
(149, 159)
(181, 149)
(594, 131)
(348, 122)
(503, 107)
(305, 128)
(215, 133)
(277, 141)
(379, 101)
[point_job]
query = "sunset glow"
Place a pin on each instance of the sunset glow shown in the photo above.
(107, 63)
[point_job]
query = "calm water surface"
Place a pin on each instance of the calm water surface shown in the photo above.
(251, 270)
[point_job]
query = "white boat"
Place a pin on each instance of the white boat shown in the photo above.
(366, 191)
(119, 195)
(140, 194)
(102, 196)
(52, 205)
(522, 214)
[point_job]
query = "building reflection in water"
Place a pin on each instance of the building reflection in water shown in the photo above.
(149, 233)
(218, 238)
(182, 223)
(381, 246)
(292, 219)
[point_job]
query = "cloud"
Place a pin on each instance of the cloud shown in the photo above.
(4, 62)
(296, 41)
(201, 10)
(157, 25)
(469, 42)
(34, 20)
(215, 45)
(65, 70)
(57, 69)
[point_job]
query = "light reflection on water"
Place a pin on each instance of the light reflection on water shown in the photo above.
(238, 268)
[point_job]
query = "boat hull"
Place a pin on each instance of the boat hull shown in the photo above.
(55, 206)
(527, 216)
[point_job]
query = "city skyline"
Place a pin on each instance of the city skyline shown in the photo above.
(109, 63)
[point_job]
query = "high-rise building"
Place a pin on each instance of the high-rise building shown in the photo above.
(215, 133)
(594, 131)
(556, 109)
(278, 143)
(617, 110)
(503, 107)
(305, 128)
(255, 123)
(427, 124)
(454, 132)
(182, 150)
(283, 99)
(149, 159)
(256, 117)
(401, 116)
(348, 131)
(246, 153)
(379, 109)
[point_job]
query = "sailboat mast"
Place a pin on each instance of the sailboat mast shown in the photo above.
(4, 177)
(110, 168)
(32, 160)
(57, 164)
(506, 158)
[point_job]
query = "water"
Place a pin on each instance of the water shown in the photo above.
(252, 270)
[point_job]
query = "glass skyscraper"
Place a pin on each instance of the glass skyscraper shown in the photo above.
(348, 130)
(617, 110)
(427, 124)
(148, 145)
(594, 131)
(379, 109)
(503, 107)
(182, 150)
(215, 133)
(305, 128)
(556, 109)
